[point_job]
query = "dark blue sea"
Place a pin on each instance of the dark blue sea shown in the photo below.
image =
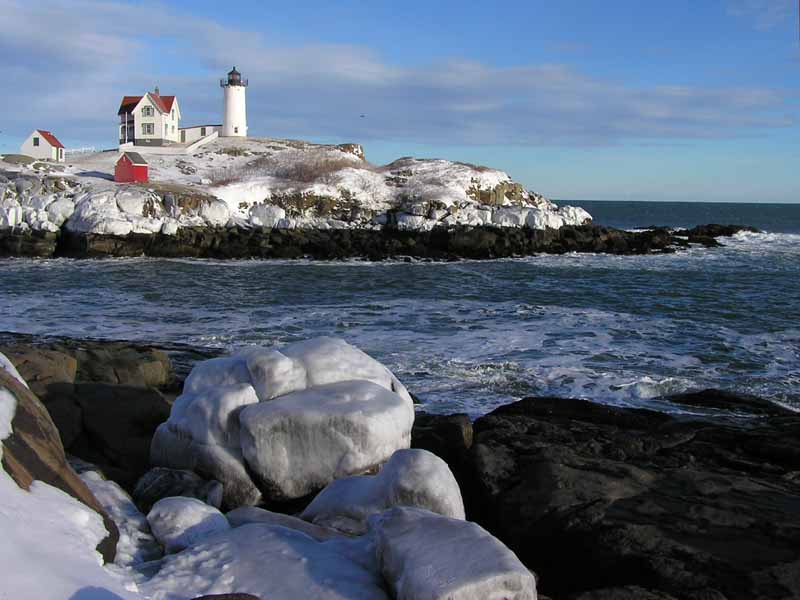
(473, 335)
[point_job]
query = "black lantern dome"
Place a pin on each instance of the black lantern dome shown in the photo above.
(234, 78)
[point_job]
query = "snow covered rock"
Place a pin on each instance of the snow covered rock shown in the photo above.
(136, 543)
(511, 216)
(271, 562)
(345, 413)
(302, 441)
(202, 435)
(266, 215)
(178, 523)
(415, 478)
(424, 555)
(245, 515)
(543, 219)
(216, 213)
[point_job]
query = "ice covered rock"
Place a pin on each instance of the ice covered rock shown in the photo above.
(543, 219)
(425, 555)
(574, 215)
(271, 562)
(415, 478)
(245, 515)
(169, 227)
(302, 441)
(343, 413)
(215, 212)
(161, 483)
(266, 215)
(98, 213)
(202, 435)
(10, 213)
(510, 216)
(178, 523)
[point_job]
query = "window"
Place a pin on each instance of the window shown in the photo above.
(148, 128)
(147, 111)
(235, 130)
(166, 130)
(36, 141)
(173, 129)
(202, 132)
(60, 153)
(173, 113)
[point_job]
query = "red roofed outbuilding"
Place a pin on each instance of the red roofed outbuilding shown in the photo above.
(131, 168)
(44, 145)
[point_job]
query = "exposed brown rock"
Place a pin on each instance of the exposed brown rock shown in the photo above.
(34, 452)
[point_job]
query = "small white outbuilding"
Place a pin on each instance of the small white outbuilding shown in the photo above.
(43, 145)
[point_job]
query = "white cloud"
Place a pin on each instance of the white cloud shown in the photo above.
(764, 14)
(78, 58)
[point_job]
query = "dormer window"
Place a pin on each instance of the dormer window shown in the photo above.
(147, 111)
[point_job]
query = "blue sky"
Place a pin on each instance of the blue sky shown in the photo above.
(578, 99)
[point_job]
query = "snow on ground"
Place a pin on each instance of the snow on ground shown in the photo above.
(48, 539)
(270, 183)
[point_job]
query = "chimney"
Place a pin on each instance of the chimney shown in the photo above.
(156, 91)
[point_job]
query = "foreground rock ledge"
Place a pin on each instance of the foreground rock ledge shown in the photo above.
(438, 244)
(605, 502)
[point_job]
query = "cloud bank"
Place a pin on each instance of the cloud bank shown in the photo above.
(70, 62)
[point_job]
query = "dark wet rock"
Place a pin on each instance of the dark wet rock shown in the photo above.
(448, 436)
(729, 402)
(440, 243)
(228, 597)
(33, 451)
(118, 424)
(713, 231)
(28, 243)
(602, 501)
(161, 482)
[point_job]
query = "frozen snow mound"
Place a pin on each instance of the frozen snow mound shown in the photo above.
(179, 522)
(270, 562)
(425, 555)
(285, 422)
(415, 478)
(302, 441)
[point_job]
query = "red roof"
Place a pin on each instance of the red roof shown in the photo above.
(163, 103)
(51, 139)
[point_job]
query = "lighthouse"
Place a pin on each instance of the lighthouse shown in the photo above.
(234, 123)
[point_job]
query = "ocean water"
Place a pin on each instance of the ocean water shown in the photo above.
(469, 336)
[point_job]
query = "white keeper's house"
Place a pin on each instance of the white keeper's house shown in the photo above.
(149, 120)
(43, 145)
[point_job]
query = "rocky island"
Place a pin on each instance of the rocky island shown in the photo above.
(267, 198)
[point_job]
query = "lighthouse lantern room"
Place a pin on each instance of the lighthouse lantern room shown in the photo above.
(234, 123)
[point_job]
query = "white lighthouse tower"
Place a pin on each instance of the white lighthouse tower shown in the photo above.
(234, 123)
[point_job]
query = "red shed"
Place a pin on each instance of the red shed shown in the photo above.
(130, 168)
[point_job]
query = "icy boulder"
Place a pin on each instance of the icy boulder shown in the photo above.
(285, 422)
(215, 212)
(424, 555)
(544, 219)
(302, 441)
(415, 478)
(266, 215)
(273, 563)
(511, 216)
(202, 435)
(178, 522)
